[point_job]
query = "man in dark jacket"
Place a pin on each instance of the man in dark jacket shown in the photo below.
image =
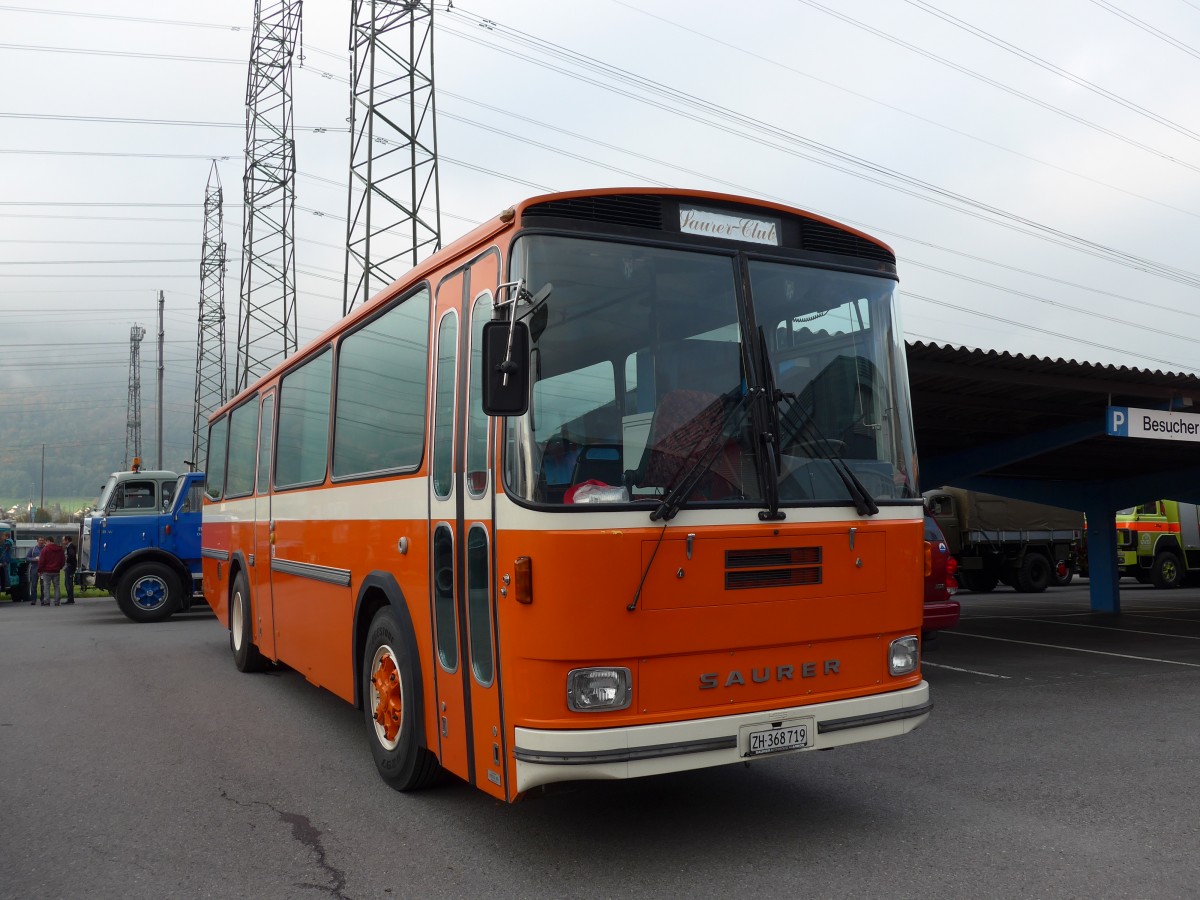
(50, 565)
(72, 556)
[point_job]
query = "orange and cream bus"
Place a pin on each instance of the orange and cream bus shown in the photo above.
(622, 482)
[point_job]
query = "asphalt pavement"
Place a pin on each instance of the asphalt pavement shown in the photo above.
(1060, 761)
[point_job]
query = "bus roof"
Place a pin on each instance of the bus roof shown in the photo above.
(509, 219)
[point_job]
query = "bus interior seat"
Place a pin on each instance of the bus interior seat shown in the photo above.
(599, 462)
(683, 425)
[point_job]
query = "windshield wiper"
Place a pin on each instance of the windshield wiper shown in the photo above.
(863, 501)
(678, 495)
(770, 435)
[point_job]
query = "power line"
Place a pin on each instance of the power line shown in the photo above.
(1149, 29)
(1052, 68)
(999, 85)
(860, 168)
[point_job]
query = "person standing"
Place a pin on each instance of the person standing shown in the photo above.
(31, 557)
(50, 566)
(6, 553)
(72, 557)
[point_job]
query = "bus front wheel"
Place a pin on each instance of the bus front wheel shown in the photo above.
(390, 691)
(149, 592)
(246, 656)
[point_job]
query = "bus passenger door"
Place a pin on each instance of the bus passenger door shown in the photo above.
(468, 704)
(259, 576)
(476, 581)
(452, 714)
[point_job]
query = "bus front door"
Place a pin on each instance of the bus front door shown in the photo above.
(470, 731)
(264, 537)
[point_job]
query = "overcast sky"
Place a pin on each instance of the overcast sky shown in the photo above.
(1035, 165)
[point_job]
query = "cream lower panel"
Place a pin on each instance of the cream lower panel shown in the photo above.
(675, 738)
(400, 498)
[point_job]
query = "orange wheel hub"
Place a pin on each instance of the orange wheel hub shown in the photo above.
(389, 708)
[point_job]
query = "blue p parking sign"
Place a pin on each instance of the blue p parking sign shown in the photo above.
(1118, 421)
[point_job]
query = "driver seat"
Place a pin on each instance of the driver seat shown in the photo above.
(682, 428)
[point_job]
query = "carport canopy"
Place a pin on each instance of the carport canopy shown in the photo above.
(1037, 429)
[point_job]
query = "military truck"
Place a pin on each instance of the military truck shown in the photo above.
(1028, 546)
(141, 542)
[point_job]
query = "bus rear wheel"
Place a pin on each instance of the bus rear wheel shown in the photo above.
(390, 688)
(246, 656)
(149, 592)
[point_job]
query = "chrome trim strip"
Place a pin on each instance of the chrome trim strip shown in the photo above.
(567, 758)
(878, 718)
(327, 574)
(210, 553)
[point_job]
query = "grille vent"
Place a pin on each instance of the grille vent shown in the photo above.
(822, 238)
(636, 211)
(775, 567)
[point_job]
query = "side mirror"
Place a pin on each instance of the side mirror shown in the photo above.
(505, 369)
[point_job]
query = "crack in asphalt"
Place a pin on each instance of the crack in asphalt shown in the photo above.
(304, 832)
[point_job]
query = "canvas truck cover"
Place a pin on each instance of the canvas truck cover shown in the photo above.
(988, 512)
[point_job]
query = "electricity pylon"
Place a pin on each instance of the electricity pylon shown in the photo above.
(393, 217)
(211, 388)
(133, 413)
(267, 308)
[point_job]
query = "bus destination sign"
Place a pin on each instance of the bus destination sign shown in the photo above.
(1125, 421)
(718, 224)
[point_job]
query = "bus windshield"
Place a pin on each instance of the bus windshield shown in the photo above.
(642, 365)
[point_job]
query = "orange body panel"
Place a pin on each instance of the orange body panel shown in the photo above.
(691, 625)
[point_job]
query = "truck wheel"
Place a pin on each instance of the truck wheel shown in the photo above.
(149, 592)
(1063, 574)
(979, 582)
(391, 691)
(246, 655)
(1167, 571)
(1034, 575)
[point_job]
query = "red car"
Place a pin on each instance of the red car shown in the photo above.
(941, 610)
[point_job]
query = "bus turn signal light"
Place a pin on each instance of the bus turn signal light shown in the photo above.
(523, 580)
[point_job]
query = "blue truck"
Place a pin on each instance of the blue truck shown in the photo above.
(141, 542)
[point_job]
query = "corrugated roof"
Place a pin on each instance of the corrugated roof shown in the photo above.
(968, 400)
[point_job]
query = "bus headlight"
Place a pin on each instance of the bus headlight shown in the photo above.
(903, 655)
(599, 690)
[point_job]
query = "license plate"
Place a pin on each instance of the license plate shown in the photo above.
(790, 734)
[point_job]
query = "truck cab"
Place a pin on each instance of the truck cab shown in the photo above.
(141, 542)
(1158, 542)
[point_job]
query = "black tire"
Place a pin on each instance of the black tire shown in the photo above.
(246, 655)
(391, 692)
(1167, 571)
(149, 592)
(1034, 575)
(979, 582)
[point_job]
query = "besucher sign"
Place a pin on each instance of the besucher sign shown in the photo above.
(1125, 421)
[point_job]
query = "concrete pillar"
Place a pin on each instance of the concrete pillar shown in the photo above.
(1102, 560)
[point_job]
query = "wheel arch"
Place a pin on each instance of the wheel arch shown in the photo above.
(152, 554)
(1167, 543)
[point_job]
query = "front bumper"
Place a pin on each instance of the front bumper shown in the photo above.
(544, 756)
